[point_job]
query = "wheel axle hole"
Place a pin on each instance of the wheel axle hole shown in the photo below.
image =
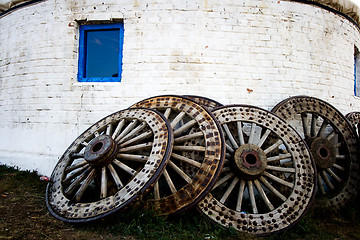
(324, 153)
(97, 147)
(250, 159)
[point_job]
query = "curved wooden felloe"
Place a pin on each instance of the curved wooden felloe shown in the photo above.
(198, 144)
(109, 165)
(208, 103)
(268, 179)
(354, 119)
(333, 144)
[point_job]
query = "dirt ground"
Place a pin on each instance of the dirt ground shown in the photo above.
(24, 216)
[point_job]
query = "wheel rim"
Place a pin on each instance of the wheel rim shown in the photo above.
(208, 103)
(109, 165)
(354, 119)
(268, 178)
(333, 144)
(198, 143)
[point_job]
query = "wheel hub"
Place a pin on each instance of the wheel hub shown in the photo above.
(249, 161)
(100, 151)
(323, 152)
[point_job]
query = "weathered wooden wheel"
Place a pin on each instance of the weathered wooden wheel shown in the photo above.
(109, 165)
(354, 119)
(208, 103)
(268, 178)
(333, 144)
(196, 133)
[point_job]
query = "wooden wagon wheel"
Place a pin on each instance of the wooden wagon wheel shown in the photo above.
(208, 103)
(354, 119)
(177, 190)
(333, 144)
(109, 165)
(268, 178)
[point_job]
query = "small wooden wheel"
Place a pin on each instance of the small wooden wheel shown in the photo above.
(208, 103)
(196, 133)
(333, 144)
(354, 119)
(268, 178)
(109, 165)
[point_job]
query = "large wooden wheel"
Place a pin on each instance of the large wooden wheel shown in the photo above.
(333, 144)
(197, 155)
(109, 165)
(268, 178)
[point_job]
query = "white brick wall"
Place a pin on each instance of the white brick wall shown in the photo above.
(249, 52)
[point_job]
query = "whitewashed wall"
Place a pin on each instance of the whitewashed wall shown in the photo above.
(256, 52)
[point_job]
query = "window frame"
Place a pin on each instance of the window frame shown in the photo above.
(83, 51)
(356, 72)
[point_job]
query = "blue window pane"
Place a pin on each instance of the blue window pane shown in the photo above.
(102, 53)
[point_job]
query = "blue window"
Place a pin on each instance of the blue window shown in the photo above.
(100, 52)
(356, 72)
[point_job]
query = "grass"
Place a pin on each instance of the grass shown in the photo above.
(25, 216)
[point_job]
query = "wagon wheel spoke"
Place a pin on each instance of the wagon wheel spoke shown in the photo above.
(252, 197)
(85, 185)
(267, 166)
(223, 180)
(240, 195)
(104, 183)
(327, 180)
(76, 173)
(188, 137)
(197, 155)
(305, 125)
(138, 138)
(263, 138)
(133, 132)
(132, 157)
(125, 167)
(184, 127)
(156, 191)
(321, 184)
(272, 189)
(333, 143)
(322, 129)
(229, 190)
(313, 125)
(332, 174)
(76, 166)
(186, 160)
(263, 195)
(230, 137)
(278, 180)
(71, 188)
(137, 147)
(169, 181)
(95, 167)
(252, 133)
(119, 126)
